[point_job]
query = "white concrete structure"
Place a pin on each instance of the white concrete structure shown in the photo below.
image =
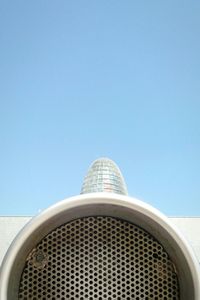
(10, 226)
(102, 232)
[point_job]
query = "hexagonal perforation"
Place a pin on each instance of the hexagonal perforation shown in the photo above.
(99, 258)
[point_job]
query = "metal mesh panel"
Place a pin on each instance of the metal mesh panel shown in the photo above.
(99, 258)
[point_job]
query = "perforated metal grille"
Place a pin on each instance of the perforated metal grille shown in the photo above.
(99, 258)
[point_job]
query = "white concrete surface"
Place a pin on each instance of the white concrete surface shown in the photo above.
(190, 228)
(10, 226)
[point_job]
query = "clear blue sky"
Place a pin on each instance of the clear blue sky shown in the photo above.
(84, 79)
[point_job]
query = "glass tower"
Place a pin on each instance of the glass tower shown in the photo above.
(104, 176)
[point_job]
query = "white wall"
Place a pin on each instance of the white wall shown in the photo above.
(190, 228)
(10, 226)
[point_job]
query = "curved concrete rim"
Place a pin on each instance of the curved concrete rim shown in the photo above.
(93, 199)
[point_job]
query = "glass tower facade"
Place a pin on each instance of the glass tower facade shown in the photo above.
(104, 176)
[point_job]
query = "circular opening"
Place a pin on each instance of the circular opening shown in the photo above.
(98, 258)
(28, 250)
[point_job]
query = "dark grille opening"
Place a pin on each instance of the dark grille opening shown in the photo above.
(99, 258)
